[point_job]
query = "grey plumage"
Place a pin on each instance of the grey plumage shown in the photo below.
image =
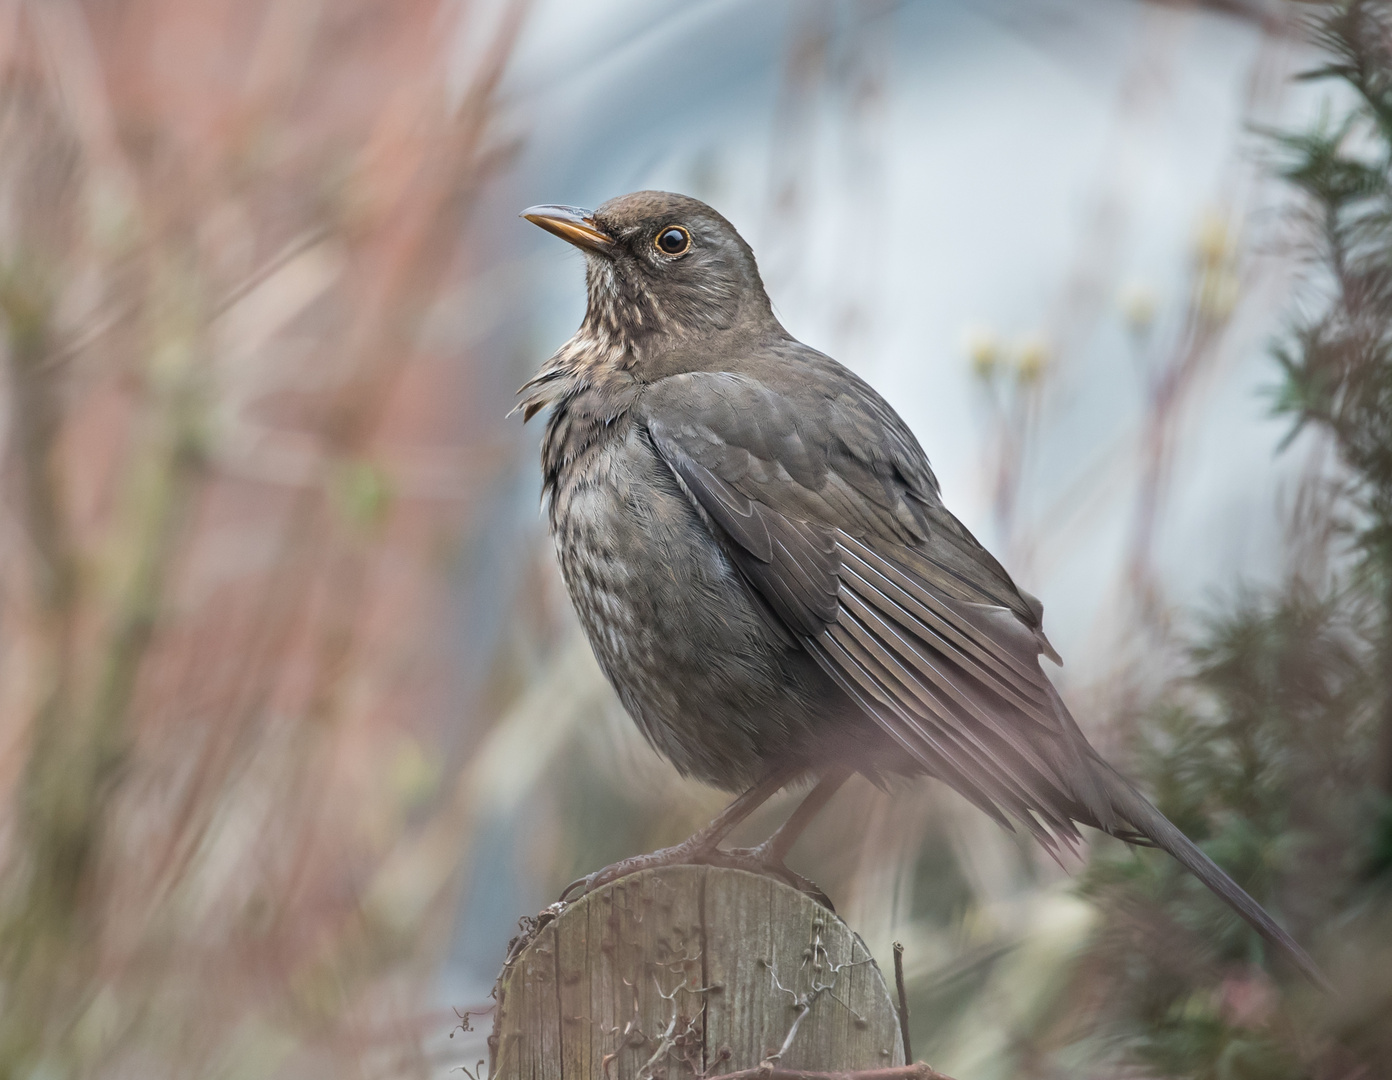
(757, 549)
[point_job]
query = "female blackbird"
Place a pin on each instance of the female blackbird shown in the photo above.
(757, 550)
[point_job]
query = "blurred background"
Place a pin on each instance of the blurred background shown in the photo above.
(295, 719)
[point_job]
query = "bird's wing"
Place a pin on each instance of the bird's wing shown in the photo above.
(826, 504)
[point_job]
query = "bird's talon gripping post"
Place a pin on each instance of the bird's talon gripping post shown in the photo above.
(565, 896)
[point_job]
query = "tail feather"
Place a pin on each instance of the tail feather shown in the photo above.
(1139, 812)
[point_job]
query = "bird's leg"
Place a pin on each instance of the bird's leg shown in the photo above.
(700, 847)
(775, 849)
(707, 838)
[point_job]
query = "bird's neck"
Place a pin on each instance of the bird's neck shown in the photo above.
(620, 313)
(637, 317)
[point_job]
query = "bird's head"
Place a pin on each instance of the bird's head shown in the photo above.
(659, 263)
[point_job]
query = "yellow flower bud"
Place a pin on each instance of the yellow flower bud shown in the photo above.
(1214, 242)
(983, 350)
(1031, 359)
(1138, 304)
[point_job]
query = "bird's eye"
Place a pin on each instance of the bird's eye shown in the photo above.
(673, 240)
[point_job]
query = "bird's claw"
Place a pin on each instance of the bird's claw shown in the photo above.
(564, 898)
(748, 859)
(754, 860)
(686, 854)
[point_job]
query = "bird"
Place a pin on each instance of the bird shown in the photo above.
(759, 554)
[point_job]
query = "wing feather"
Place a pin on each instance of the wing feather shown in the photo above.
(923, 714)
(833, 546)
(945, 617)
(951, 685)
(861, 687)
(975, 662)
(824, 501)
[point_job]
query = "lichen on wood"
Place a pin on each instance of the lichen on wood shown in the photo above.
(691, 971)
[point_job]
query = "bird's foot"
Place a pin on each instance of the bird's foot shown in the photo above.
(689, 853)
(757, 860)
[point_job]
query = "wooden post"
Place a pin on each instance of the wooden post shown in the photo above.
(691, 971)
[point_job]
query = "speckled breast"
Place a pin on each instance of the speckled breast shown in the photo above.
(713, 686)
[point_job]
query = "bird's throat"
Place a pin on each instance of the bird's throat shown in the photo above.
(592, 357)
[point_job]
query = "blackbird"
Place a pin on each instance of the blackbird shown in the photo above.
(758, 552)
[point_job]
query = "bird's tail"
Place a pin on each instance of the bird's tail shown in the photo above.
(1145, 819)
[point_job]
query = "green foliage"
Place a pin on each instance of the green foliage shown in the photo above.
(1337, 365)
(1263, 755)
(941, 891)
(1273, 752)
(1196, 1041)
(1379, 865)
(362, 494)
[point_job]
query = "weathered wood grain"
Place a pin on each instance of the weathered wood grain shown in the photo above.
(692, 971)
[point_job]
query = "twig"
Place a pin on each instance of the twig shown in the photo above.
(903, 999)
(816, 956)
(921, 1071)
(669, 1038)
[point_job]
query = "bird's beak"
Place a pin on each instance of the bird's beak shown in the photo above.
(572, 224)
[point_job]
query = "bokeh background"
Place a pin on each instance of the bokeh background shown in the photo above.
(295, 720)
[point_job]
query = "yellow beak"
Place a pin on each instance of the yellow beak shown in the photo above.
(571, 224)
